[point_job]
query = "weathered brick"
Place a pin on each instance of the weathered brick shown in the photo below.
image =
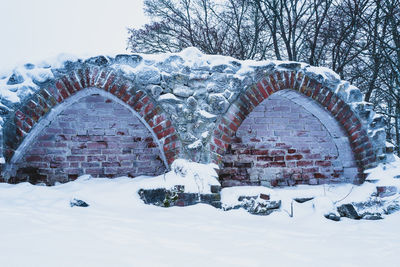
(289, 157)
(273, 82)
(257, 94)
(63, 153)
(68, 85)
(110, 80)
(294, 157)
(250, 95)
(298, 80)
(303, 85)
(61, 89)
(286, 75)
(261, 89)
(101, 78)
(166, 132)
(93, 72)
(75, 82)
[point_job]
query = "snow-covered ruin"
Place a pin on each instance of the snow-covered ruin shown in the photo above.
(263, 123)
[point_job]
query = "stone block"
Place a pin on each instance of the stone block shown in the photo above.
(386, 191)
(348, 210)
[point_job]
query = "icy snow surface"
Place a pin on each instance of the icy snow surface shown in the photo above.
(39, 228)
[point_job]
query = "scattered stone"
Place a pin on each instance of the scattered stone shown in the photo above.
(241, 198)
(208, 198)
(216, 204)
(177, 197)
(78, 203)
(372, 216)
(256, 205)
(332, 216)
(262, 207)
(348, 210)
(392, 208)
(153, 196)
(386, 191)
(302, 199)
(264, 196)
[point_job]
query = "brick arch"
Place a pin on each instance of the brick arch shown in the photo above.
(52, 95)
(229, 123)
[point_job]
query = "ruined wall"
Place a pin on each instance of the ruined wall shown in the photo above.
(192, 106)
(95, 136)
(282, 143)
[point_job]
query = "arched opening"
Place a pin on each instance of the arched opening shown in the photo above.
(288, 139)
(319, 98)
(91, 132)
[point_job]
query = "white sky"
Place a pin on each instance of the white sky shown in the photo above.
(35, 30)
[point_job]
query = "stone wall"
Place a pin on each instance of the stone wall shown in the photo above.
(192, 105)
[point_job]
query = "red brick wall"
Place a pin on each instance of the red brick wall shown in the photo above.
(363, 154)
(94, 136)
(281, 143)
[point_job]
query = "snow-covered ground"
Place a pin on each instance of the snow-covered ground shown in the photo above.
(38, 227)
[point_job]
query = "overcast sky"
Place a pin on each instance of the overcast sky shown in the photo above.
(32, 30)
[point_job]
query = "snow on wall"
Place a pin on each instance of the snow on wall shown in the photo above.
(193, 102)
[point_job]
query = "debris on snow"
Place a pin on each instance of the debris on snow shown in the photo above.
(78, 203)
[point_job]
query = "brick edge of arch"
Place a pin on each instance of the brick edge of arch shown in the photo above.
(363, 148)
(55, 92)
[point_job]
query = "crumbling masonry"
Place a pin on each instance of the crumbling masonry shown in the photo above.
(264, 123)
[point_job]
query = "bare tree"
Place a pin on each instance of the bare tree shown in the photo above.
(390, 44)
(359, 39)
(231, 27)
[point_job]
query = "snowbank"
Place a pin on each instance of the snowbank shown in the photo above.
(38, 227)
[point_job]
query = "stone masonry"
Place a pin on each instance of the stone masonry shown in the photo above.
(185, 105)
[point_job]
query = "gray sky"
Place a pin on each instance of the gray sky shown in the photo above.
(34, 30)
